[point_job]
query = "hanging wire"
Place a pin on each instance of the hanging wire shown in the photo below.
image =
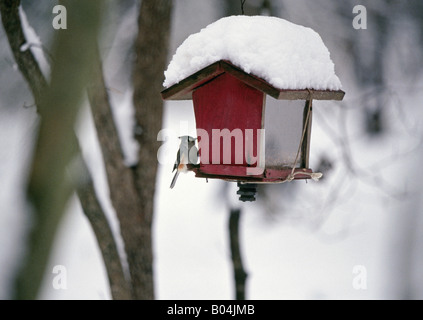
(242, 6)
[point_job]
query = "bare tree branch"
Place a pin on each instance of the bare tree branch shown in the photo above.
(86, 192)
(119, 286)
(131, 196)
(123, 193)
(26, 62)
(132, 191)
(242, 6)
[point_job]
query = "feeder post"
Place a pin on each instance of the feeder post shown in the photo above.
(305, 148)
(240, 275)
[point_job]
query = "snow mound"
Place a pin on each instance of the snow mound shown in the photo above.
(286, 55)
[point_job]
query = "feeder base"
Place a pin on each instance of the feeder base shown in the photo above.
(247, 191)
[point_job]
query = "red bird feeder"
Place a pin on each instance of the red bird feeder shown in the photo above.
(248, 130)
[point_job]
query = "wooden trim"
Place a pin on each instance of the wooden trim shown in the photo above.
(317, 95)
(238, 173)
(225, 170)
(305, 148)
(183, 89)
(250, 79)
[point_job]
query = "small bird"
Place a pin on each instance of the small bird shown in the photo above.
(187, 154)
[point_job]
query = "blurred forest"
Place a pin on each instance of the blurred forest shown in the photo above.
(298, 240)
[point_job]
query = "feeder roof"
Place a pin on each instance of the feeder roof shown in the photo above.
(183, 90)
(284, 55)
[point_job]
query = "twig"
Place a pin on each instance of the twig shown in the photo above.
(242, 6)
(26, 62)
(43, 49)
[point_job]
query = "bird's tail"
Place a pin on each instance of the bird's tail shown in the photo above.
(174, 179)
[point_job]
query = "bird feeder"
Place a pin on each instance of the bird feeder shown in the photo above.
(248, 130)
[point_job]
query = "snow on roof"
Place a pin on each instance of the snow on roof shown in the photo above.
(286, 55)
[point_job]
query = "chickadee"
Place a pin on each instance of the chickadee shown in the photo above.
(187, 153)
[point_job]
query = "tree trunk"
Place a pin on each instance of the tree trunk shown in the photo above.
(151, 47)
